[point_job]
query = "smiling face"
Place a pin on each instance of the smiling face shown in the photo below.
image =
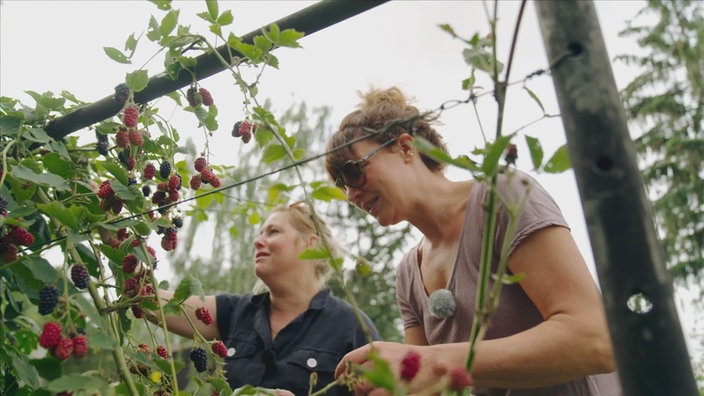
(277, 248)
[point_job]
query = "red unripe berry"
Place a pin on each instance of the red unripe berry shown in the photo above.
(130, 116)
(130, 263)
(219, 349)
(80, 346)
(200, 164)
(215, 182)
(136, 137)
(410, 365)
(195, 182)
(51, 335)
(204, 315)
(161, 351)
(459, 379)
(20, 236)
(206, 97)
(64, 349)
(122, 138)
(149, 171)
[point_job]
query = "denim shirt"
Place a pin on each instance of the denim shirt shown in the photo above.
(315, 341)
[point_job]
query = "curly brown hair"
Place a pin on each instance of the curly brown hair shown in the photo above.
(389, 112)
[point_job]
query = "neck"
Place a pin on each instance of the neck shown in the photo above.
(293, 301)
(441, 218)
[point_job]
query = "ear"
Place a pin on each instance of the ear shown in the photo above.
(405, 142)
(312, 241)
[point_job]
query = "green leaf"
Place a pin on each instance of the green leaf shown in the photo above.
(57, 211)
(168, 23)
(116, 55)
(432, 151)
(328, 193)
(37, 135)
(9, 126)
(273, 33)
(273, 152)
(226, 18)
(162, 4)
(262, 43)
(535, 98)
(381, 375)
(493, 154)
(101, 341)
(48, 368)
(137, 80)
(76, 382)
(116, 170)
(289, 38)
(213, 10)
(44, 179)
(131, 43)
(315, 253)
(122, 191)
(26, 372)
(559, 162)
(58, 165)
(536, 151)
(189, 286)
(27, 341)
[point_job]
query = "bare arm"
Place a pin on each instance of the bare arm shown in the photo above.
(571, 343)
(178, 324)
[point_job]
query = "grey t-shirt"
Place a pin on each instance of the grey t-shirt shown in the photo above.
(515, 312)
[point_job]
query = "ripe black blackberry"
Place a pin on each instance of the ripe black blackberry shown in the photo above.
(3, 204)
(102, 147)
(131, 181)
(146, 190)
(178, 222)
(122, 93)
(101, 137)
(48, 299)
(165, 169)
(200, 359)
(79, 276)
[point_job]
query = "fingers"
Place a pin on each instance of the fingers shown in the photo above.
(358, 356)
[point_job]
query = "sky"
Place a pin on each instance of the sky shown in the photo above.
(57, 45)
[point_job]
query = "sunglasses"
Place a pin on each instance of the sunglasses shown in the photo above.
(351, 173)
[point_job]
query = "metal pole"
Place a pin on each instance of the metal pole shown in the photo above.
(651, 353)
(308, 20)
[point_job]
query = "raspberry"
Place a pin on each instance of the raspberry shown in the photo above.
(459, 379)
(164, 169)
(79, 276)
(149, 171)
(102, 147)
(122, 138)
(168, 241)
(130, 116)
(146, 190)
(206, 97)
(511, 154)
(130, 263)
(161, 351)
(51, 335)
(136, 137)
(195, 182)
(105, 190)
(122, 93)
(220, 349)
(204, 315)
(80, 346)
(48, 298)
(175, 182)
(177, 222)
(200, 164)
(410, 365)
(64, 349)
(191, 96)
(20, 236)
(199, 359)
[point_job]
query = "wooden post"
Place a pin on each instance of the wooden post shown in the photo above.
(651, 353)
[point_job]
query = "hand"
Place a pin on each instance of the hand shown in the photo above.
(394, 353)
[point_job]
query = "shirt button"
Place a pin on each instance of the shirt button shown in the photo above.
(311, 362)
(231, 352)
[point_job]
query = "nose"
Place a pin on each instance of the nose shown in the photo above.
(259, 242)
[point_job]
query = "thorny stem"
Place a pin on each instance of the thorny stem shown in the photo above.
(118, 353)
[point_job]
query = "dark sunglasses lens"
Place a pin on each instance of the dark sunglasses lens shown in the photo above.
(351, 175)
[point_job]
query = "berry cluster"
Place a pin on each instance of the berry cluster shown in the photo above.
(62, 347)
(244, 130)
(196, 96)
(204, 315)
(108, 199)
(161, 351)
(200, 359)
(10, 238)
(205, 175)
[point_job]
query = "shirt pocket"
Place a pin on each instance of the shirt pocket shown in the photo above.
(309, 359)
(242, 364)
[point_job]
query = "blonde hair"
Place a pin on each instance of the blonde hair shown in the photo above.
(301, 219)
(377, 108)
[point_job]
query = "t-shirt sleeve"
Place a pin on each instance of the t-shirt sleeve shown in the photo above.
(534, 206)
(224, 306)
(403, 289)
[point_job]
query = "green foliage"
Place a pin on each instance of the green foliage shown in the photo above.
(666, 104)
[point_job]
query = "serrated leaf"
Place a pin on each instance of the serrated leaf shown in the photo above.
(40, 269)
(137, 80)
(189, 286)
(131, 43)
(154, 30)
(225, 18)
(117, 55)
(44, 179)
(262, 43)
(493, 154)
(122, 191)
(58, 165)
(328, 193)
(9, 126)
(213, 10)
(77, 382)
(536, 151)
(559, 162)
(272, 61)
(289, 38)
(27, 373)
(101, 341)
(116, 170)
(273, 152)
(37, 135)
(168, 23)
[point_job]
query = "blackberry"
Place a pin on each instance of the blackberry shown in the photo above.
(20, 237)
(48, 299)
(200, 359)
(165, 169)
(175, 182)
(102, 147)
(161, 351)
(178, 222)
(101, 137)
(80, 346)
(130, 116)
(219, 349)
(195, 182)
(131, 181)
(122, 93)
(236, 129)
(122, 138)
(200, 164)
(3, 204)
(149, 171)
(79, 276)
(136, 137)
(191, 96)
(146, 190)
(51, 335)
(64, 350)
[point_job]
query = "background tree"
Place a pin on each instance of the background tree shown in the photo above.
(666, 102)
